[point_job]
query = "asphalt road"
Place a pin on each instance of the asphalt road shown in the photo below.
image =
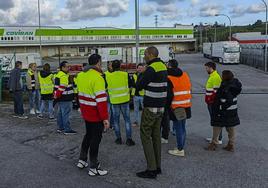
(33, 155)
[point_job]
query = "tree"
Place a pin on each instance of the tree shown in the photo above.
(257, 23)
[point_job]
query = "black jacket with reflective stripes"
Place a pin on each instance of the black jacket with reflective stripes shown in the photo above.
(154, 82)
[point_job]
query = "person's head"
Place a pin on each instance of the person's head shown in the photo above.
(95, 60)
(172, 64)
(227, 75)
(140, 68)
(210, 67)
(32, 66)
(116, 65)
(150, 53)
(64, 66)
(109, 66)
(18, 64)
(46, 67)
(84, 65)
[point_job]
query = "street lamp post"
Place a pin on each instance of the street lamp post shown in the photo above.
(39, 23)
(265, 58)
(215, 35)
(137, 29)
(230, 34)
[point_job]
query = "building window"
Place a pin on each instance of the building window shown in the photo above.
(2, 38)
(185, 36)
(82, 49)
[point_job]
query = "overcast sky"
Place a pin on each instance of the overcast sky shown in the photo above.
(120, 13)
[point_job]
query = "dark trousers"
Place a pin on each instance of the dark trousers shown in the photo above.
(91, 143)
(210, 114)
(18, 102)
(165, 125)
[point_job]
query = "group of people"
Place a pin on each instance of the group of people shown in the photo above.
(162, 90)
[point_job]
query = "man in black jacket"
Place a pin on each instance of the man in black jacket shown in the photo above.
(154, 83)
(15, 85)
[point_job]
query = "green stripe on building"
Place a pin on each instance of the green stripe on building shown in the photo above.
(96, 32)
(2, 32)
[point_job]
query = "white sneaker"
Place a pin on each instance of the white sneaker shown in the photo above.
(210, 140)
(38, 111)
(32, 112)
(82, 164)
(97, 172)
(177, 152)
(164, 141)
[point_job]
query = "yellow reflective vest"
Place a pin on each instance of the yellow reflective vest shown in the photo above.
(92, 96)
(118, 88)
(141, 93)
(46, 84)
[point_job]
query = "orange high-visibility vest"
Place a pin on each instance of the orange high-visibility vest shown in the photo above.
(181, 90)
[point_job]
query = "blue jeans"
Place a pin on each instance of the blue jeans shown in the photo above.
(64, 111)
(34, 99)
(124, 108)
(179, 126)
(138, 102)
(18, 102)
(50, 107)
(110, 111)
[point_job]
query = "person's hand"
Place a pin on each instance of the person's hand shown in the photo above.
(106, 124)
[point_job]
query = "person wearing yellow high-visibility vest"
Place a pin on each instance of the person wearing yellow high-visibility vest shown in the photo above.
(154, 82)
(47, 88)
(64, 94)
(33, 88)
(212, 85)
(93, 104)
(118, 84)
(137, 95)
(76, 101)
(110, 110)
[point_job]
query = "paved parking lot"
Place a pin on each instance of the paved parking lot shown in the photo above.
(33, 155)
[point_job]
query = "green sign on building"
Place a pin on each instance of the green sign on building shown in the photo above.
(113, 52)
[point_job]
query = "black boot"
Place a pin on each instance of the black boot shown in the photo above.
(150, 174)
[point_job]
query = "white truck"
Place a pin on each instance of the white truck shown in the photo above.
(225, 52)
(7, 61)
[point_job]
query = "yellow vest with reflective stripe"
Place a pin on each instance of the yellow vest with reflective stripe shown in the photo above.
(141, 93)
(90, 84)
(118, 88)
(46, 84)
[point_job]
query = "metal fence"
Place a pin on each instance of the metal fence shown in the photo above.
(253, 55)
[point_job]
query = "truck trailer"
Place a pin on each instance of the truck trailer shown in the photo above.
(225, 52)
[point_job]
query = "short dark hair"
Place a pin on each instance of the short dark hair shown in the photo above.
(173, 63)
(116, 65)
(18, 63)
(46, 67)
(94, 59)
(63, 64)
(227, 75)
(211, 65)
(153, 51)
(140, 64)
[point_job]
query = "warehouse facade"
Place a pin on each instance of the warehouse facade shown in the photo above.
(57, 41)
